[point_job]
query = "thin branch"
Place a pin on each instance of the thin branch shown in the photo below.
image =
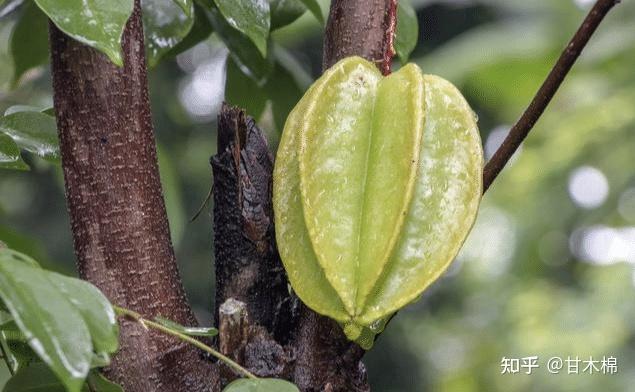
(145, 323)
(521, 129)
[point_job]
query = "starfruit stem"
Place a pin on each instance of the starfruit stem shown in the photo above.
(352, 331)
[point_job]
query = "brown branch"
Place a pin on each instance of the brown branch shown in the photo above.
(277, 335)
(524, 125)
(246, 262)
(118, 218)
(253, 305)
(363, 28)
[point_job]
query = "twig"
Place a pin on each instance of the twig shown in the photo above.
(521, 129)
(151, 324)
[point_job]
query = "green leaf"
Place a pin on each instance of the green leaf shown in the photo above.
(29, 41)
(200, 31)
(191, 331)
(315, 9)
(98, 383)
(96, 23)
(21, 108)
(261, 385)
(35, 378)
(55, 329)
(284, 12)
(99, 360)
(10, 154)
(6, 326)
(94, 308)
(20, 352)
(250, 17)
(242, 91)
(185, 5)
(242, 49)
(5, 317)
(33, 131)
(48, 111)
(19, 257)
(407, 32)
(165, 25)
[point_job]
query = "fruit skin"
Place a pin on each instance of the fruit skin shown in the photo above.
(377, 183)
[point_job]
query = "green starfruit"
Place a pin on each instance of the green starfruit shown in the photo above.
(377, 183)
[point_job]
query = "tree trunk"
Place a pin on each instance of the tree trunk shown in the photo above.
(117, 212)
(263, 326)
(364, 28)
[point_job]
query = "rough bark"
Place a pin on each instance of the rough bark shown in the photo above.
(355, 28)
(278, 333)
(117, 212)
(247, 265)
(269, 331)
(361, 28)
(254, 310)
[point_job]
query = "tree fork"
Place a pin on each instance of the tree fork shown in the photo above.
(323, 358)
(362, 28)
(117, 212)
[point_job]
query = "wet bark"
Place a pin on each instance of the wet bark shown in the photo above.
(262, 325)
(362, 28)
(284, 336)
(247, 265)
(117, 212)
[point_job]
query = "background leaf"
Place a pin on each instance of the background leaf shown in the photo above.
(35, 378)
(241, 90)
(33, 131)
(261, 385)
(284, 12)
(39, 378)
(315, 9)
(407, 32)
(185, 5)
(97, 23)
(250, 17)
(165, 24)
(29, 41)
(10, 154)
(248, 58)
(200, 31)
(99, 383)
(8, 6)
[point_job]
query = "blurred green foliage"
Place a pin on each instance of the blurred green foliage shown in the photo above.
(548, 269)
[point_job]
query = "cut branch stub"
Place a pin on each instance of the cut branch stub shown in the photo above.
(376, 185)
(248, 268)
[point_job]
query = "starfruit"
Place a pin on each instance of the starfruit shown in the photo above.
(377, 183)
